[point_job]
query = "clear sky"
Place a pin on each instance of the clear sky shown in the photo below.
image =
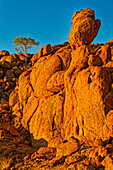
(49, 21)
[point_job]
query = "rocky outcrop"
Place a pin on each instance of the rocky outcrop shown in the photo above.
(64, 101)
(68, 91)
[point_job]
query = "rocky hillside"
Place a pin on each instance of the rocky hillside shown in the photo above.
(56, 112)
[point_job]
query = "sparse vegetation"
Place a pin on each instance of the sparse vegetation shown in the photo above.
(5, 163)
(24, 43)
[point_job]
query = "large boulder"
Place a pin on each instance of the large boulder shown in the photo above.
(4, 53)
(45, 50)
(84, 28)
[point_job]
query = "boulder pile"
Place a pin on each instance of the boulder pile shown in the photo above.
(11, 66)
(62, 104)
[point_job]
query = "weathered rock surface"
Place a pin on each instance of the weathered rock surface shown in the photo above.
(45, 50)
(62, 105)
(85, 28)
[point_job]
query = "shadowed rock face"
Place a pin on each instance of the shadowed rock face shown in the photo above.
(68, 91)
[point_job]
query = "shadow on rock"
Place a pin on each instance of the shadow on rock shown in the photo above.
(38, 143)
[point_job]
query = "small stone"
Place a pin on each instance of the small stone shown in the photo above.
(4, 53)
(13, 131)
(67, 148)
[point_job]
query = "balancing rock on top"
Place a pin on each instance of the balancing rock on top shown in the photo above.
(84, 28)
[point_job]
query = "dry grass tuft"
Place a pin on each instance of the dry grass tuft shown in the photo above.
(5, 163)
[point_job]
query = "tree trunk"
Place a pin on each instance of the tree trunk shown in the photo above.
(25, 56)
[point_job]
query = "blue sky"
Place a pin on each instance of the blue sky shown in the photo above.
(49, 21)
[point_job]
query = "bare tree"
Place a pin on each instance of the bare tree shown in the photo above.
(24, 43)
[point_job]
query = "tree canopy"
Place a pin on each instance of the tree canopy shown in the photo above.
(24, 43)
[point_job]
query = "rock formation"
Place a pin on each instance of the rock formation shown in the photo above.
(64, 100)
(84, 28)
